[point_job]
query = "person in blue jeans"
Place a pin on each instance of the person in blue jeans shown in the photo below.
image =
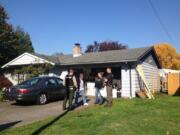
(98, 88)
(81, 90)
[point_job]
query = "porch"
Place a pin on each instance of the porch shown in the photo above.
(123, 83)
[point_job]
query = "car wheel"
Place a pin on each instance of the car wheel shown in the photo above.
(19, 102)
(42, 99)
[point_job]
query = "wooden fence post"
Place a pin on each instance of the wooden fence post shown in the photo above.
(152, 79)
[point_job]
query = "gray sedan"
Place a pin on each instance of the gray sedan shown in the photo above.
(39, 89)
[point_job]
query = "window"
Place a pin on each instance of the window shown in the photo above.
(59, 81)
(31, 82)
(51, 82)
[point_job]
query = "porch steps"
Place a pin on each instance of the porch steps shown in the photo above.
(140, 71)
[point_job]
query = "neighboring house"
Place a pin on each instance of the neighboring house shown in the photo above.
(122, 62)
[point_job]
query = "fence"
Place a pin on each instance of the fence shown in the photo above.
(173, 83)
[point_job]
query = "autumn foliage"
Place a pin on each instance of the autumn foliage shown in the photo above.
(168, 56)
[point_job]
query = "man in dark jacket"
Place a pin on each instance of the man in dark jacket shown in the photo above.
(109, 86)
(71, 87)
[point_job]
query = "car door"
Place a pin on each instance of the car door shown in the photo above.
(60, 88)
(51, 87)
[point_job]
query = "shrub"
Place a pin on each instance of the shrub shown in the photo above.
(4, 82)
(1, 95)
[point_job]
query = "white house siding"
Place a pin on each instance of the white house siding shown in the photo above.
(26, 59)
(151, 70)
(152, 74)
(11, 78)
(125, 76)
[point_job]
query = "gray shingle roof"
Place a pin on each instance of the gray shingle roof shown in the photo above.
(125, 55)
(47, 57)
(105, 57)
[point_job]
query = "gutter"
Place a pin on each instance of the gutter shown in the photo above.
(89, 63)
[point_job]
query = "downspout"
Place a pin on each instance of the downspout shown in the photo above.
(130, 81)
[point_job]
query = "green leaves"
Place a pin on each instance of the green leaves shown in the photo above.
(33, 70)
(13, 42)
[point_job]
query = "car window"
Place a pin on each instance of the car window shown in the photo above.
(31, 82)
(59, 81)
(51, 82)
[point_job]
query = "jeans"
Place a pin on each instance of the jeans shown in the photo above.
(78, 94)
(98, 96)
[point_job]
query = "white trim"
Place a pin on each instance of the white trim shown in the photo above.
(31, 55)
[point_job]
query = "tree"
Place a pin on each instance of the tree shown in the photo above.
(13, 42)
(105, 46)
(23, 40)
(168, 56)
(7, 38)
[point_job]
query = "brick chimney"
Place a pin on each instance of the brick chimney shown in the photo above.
(77, 50)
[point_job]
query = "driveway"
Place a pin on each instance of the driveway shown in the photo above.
(14, 115)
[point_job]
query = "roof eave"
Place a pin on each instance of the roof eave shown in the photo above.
(73, 64)
(7, 64)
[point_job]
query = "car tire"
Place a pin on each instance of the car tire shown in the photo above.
(42, 99)
(19, 102)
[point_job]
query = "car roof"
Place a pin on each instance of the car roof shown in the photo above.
(46, 77)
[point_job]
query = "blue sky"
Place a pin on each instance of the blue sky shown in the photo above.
(55, 25)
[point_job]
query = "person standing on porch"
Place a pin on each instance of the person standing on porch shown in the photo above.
(98, 88)
(81, 90)
(71, 86)
(109, 86)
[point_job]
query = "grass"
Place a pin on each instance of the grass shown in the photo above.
(127, 117)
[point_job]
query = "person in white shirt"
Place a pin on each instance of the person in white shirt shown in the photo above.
(81, 90)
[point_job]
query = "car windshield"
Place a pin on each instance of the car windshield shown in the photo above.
(59, 81)
(31, 82)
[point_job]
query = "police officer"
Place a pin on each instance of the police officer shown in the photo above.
(71, 87)
(109, 86)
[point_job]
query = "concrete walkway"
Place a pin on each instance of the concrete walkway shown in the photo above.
(18, 115)
(15, 115)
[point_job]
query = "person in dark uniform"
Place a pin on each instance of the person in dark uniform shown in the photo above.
(71, 87)
(109, 86)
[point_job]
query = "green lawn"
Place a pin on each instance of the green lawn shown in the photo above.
(127, 117)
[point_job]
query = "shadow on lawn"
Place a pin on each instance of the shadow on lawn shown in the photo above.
(8, 125)
(38, 131)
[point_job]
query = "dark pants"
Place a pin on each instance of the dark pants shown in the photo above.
(68, 98)
(109, 95)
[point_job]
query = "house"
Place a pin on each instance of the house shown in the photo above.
(124, 65)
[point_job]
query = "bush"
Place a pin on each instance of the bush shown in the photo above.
(4, 82)
(1, 95)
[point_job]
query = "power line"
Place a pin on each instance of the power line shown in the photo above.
(160, 21)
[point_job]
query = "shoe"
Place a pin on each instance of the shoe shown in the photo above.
(86, 104)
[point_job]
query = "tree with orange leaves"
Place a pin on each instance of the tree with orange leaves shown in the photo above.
(168, 56)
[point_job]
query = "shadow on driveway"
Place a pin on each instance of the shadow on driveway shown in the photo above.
(8, 125)
(38, 131)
